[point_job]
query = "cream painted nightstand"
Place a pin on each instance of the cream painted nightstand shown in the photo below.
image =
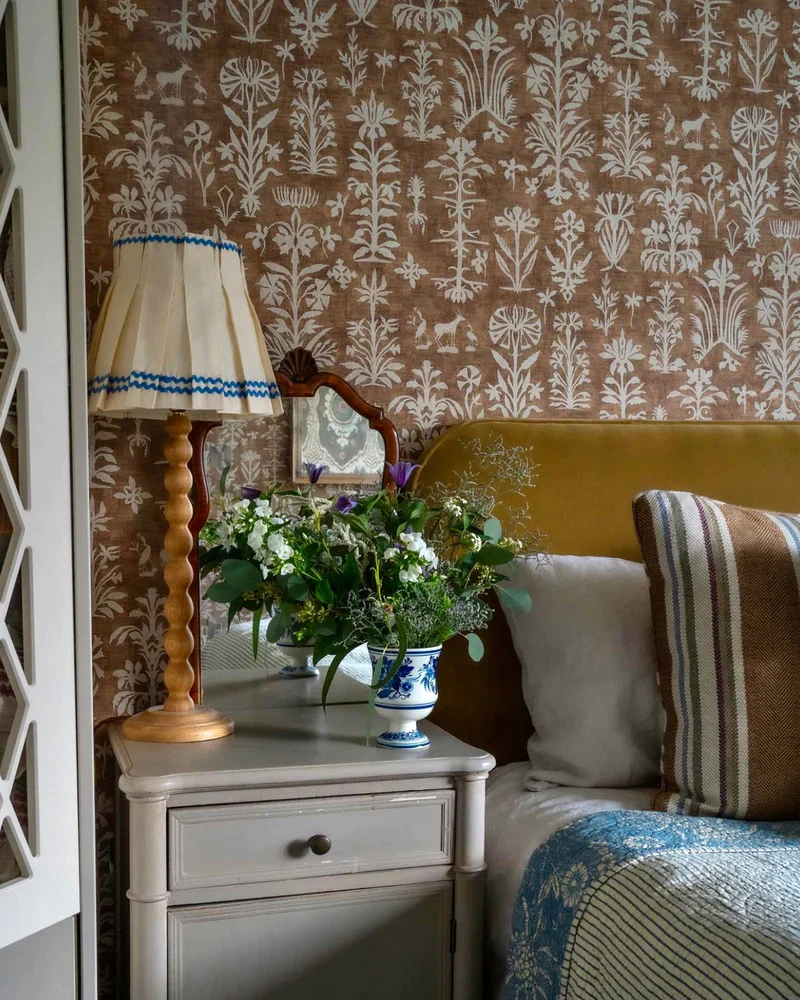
(290, 861)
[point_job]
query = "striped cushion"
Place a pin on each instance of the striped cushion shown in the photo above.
(725, 596)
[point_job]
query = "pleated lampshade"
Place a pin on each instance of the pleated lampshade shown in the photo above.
(177, 331)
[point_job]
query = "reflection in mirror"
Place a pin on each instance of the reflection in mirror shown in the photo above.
(323, 429)
(327, 431)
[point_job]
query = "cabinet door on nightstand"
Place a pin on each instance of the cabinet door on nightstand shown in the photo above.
(392, 943)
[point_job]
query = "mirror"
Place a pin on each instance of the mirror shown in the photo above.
(326, 430)
(326, 422)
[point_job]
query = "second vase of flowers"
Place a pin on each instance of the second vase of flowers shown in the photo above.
(297, 657)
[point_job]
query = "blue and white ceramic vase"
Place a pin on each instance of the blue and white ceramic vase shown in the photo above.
(298, 659)
(408, 697)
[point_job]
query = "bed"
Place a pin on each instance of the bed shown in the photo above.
(589, 472)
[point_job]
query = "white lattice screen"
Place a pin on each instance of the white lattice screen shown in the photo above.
(38, 821)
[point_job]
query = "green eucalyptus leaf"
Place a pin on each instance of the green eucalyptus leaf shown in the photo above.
(326, 628)
(493, 555)
(322, 648)
(222, 592)
(515, 599)
(277, 627)
(493, 529)
(242, 574)
(296, 587)
(324, 592)
(474, 646)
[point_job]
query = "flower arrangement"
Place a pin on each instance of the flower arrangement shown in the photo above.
(394, 568)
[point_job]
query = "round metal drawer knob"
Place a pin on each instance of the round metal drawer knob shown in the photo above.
(320, 845)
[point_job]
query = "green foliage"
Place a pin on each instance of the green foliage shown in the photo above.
(397, 569)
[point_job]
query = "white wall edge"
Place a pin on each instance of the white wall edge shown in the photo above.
(73, 161)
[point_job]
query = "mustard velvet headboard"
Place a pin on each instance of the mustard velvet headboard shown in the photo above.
(589, 473)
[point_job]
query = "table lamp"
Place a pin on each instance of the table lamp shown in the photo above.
(178, 338)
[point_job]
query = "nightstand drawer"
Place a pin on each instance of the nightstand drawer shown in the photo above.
(267, 841)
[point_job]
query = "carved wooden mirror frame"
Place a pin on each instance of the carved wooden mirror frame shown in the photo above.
(298, 377)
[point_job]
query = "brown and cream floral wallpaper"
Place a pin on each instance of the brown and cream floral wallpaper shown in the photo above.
(530, 208)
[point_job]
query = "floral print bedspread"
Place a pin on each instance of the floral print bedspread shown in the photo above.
(646, 906)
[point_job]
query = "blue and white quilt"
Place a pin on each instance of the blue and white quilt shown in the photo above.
(649, 906)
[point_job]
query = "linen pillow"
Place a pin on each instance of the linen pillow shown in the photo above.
(588, 672)
(725, 594)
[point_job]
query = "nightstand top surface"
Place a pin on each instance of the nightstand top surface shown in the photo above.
(288, 746)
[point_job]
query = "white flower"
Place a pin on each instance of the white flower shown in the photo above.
(390, 554)
(224, 535)
(256, 540)
(286, 569)
(240, 507)
(285, 552)
(275, 542)
(263, 509)
(260, 528)
(410, 575)
(413, 541)
(429, 556)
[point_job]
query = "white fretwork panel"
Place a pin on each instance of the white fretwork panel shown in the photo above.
(38, 818)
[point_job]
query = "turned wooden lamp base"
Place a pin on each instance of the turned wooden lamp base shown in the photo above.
(156, 725)
(178, 720)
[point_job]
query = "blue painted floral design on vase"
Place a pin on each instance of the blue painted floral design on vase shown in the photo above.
(408, 697)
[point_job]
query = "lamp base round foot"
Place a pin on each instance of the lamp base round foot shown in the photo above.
(155, 725)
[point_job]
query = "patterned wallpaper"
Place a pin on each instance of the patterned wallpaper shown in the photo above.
(532, 208)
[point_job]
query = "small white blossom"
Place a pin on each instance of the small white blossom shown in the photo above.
(286, 569)
(390, 554)
(429, 556)
(285, 552)
(276, 542)
(410, 575)
(256, 540)
(413, 541)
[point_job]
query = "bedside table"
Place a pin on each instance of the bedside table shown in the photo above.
(290, 861)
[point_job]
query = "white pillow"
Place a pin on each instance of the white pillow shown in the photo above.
(589, 673)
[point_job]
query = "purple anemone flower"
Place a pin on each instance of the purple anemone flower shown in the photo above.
(250, 493)
(401, 472)
(314, 472)
(344, 504)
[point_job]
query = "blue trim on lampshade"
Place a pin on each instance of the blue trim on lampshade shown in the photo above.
(200, 241)
(183, 385)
